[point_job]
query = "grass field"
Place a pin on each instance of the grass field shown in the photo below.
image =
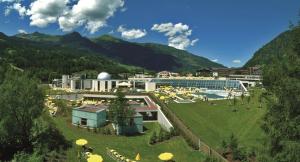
(216, 122)
(128, 146)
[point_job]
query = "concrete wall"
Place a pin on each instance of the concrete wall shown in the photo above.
(150, 86)
(65, 81)
(163, 120)
(87, 84)
(102, 86)
(73, 85)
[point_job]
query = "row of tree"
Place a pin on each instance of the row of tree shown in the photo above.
(162, 135)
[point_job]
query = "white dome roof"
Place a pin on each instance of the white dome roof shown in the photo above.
(103, 76)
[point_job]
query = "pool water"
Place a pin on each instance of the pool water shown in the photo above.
(210, 95)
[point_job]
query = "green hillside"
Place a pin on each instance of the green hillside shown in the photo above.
(149, 56)
(275, 49)
(47, 60)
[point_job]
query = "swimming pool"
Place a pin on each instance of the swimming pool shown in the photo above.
(209, 95)
(214, 94)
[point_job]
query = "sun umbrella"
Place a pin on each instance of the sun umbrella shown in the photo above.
(162, 97)
(95, 158)
(165, 156)
(81, 142)
(138, 157)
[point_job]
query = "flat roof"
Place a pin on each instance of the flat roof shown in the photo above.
(92, 108)
(149, 106)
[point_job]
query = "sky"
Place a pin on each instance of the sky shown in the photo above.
(224, 31)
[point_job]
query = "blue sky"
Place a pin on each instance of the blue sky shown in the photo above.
(220, 30)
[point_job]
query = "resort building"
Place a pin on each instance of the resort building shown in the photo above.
(104, 83)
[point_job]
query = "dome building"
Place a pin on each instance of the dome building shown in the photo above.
(104, 76)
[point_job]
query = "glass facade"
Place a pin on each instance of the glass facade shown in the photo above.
(209, 84)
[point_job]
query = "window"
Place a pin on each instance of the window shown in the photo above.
(131, 122)
(83, 121)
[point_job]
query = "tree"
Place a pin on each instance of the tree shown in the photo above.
(248, 101)
(21, 102)
(120, 113)
(281, 122)
(242, 97)
(291, 25)
(234, 104)
(26, 131)
(232, 147)
(260, 100)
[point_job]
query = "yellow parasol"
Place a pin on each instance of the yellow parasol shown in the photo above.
(81, 142)
(162, 97)
(138, 157)
(95, 158)
(165, 156)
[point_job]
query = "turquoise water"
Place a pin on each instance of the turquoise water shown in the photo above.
(209, 95)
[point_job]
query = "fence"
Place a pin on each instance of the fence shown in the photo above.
(193, 140)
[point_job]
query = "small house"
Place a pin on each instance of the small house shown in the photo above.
(92, 116)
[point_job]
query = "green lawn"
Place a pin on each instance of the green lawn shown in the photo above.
(214, 123)
(128, 146)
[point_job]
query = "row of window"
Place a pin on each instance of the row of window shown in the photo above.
(209, 84)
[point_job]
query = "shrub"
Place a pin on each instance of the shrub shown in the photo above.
(153, 138)
(173, 132)
(167, 135)
(95, 130)
(160, 135)
(108, 131)
(210, 159)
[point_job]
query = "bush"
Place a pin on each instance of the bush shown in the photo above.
(106, 131)
(22, 156)
(95, 130)
(160, 135)
(210, 159)
(153, 138)
(173, 132)
(167, 135)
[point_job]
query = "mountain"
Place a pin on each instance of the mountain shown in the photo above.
(150, 56)
(275, 49)
(45, 57)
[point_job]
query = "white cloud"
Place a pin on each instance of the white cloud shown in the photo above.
(178, 34)
(22, 31)
(123, 9)
(131, 33)
(44, 12)
(215, 60)
(16, 6)
(236, 61)
(90, 13)
(193, 42)
(9, 1)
